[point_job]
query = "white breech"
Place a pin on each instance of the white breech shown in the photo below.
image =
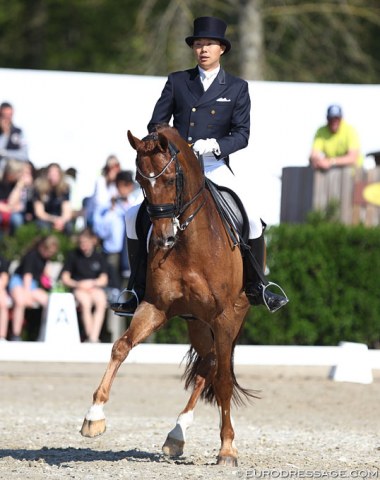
(220, 174)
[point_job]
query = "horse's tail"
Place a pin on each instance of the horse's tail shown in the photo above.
(240, 395)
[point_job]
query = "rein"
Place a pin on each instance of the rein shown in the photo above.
(177, 209)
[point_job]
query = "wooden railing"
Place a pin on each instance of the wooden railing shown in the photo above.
(305, 189)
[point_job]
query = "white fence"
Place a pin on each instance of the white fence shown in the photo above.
(172, 354)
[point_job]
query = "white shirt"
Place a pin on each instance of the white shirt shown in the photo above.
(207, 77)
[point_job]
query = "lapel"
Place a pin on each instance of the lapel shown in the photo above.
(194, 83)
(195, 86)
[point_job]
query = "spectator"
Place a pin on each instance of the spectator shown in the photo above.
(8, 212)
(12, 141)
(85, 272)
(109, 224)
(15, 194)
(336, 144)
(30, 281)
(4, 298)
(105, 188)
(52, 206)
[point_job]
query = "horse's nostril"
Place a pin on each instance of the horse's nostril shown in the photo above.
(170, 241)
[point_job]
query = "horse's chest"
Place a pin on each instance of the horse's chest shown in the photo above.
(187, 286)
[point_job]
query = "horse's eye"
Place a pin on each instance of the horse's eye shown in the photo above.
(170, 182)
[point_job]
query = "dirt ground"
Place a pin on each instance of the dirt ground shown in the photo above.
(304, 425)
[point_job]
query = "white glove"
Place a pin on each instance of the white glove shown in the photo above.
(210, 145)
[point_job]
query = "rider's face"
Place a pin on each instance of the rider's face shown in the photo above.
(208, 52)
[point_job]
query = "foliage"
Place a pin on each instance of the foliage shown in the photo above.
(175, 331)
(328, 270)
(13, 247)
(314, 41)
(330, 273)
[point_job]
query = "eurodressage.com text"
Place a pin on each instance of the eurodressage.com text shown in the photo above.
(277, 473)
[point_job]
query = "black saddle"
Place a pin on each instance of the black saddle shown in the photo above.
(232, 211)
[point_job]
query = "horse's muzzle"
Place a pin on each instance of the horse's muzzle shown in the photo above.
(167, 242)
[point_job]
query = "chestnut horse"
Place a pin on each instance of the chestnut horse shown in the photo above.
(194, 271)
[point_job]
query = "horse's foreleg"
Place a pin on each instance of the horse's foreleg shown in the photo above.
(146, 320)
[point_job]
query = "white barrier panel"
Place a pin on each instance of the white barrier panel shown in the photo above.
(353, 365)
(60, 321)
(173, 354)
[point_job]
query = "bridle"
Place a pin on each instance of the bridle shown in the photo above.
(177, 209)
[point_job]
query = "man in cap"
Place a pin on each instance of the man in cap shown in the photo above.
(211, 110)
(335, 144)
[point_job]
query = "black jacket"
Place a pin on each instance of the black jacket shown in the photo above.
(222, 112)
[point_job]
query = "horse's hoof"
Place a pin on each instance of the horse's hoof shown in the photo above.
(93, 428)
(227, 461)
(173, 447)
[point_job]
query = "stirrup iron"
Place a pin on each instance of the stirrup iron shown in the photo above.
(263, 295)
(126, 290)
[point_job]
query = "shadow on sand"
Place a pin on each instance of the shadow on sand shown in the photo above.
(61, 456)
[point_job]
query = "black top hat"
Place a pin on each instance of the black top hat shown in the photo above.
(209, 27)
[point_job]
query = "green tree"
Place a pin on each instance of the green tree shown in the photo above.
(283, 40)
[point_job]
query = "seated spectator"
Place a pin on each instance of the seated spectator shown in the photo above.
(85, 273)
(335, 144)
(30, 281)
(4, 299)
(12, 141)
(16, 189)
(105, 188)
(109, 223)
(52, 207)
(12, 173)
(25, 191)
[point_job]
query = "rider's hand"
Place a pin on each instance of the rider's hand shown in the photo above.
(210, 145)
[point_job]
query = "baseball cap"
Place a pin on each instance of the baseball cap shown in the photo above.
(334, 111)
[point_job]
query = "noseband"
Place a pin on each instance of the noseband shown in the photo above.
(171, 210)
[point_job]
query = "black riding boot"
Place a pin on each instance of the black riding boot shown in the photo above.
(138, 262)
(254, 285)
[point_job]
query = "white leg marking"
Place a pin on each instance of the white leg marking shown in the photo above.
(95, 413)
(183, 423)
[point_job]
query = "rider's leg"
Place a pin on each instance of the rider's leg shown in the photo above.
(254, 285)
(137, 255)
(221, 175)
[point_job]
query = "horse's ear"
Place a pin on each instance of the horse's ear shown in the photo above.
(163, 142)
(134, 141)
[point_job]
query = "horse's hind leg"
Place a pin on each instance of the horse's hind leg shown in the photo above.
(146, 320)
(202, 342)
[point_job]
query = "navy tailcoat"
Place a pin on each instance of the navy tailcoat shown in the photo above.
(222, 112)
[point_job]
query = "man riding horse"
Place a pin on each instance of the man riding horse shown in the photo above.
(211, 110)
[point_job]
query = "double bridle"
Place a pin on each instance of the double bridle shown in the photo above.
(177, 209)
